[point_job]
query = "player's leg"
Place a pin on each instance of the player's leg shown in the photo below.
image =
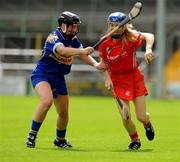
(61, 103)
(143, 116)
(124, 109)
(43, 89)
(140, 92)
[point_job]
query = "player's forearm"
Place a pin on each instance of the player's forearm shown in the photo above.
(68, 51)
(108, 81)
(87, 59)
(149, 42)
(106, 75)
(149, 38)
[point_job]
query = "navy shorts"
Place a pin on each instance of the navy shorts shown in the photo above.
(57, 83)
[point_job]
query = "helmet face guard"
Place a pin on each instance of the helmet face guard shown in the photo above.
(69, 18)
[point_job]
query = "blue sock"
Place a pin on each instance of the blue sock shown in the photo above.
(60, 133)
(35, 126)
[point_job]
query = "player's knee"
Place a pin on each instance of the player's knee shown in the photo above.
(126, 119)
(125, 113)
(47, 102)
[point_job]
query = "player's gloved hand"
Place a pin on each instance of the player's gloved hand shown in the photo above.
(148, 56)
(87, 50)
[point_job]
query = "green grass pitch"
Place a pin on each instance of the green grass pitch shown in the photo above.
(95, 131)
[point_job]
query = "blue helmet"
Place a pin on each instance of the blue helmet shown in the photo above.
(117, 17)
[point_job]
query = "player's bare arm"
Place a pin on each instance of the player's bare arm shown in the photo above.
(69, 51)
(102, 65)
(149, 38)
(108, 82)
(87, 59)
(91, 61)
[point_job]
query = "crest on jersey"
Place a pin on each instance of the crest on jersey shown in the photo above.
(52, 38)
(108, 50)
(127, 93)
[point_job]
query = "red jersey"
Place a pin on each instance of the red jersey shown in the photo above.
(128, 81)
(119, 59)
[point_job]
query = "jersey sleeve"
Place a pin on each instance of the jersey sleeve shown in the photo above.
(100, 50)
(139, 41)
(52, 42)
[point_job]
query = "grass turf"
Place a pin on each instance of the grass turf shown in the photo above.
(95, 131)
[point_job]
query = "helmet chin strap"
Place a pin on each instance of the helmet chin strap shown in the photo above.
(116, 36)
(67, 36)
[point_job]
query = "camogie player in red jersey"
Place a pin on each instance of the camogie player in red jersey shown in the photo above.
(123, 75)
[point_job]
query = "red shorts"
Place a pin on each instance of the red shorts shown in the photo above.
(129, 85)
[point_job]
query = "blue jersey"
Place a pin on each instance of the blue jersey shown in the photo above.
(49, 63)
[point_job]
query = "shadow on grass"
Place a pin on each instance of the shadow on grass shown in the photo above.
(92, 149)
(140, 150)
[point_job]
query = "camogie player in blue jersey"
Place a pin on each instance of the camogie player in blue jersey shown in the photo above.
(48, 76)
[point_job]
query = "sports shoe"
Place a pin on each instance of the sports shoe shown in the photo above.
(150, 132)
(31, 140)
(62, 143)
(135, 145)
